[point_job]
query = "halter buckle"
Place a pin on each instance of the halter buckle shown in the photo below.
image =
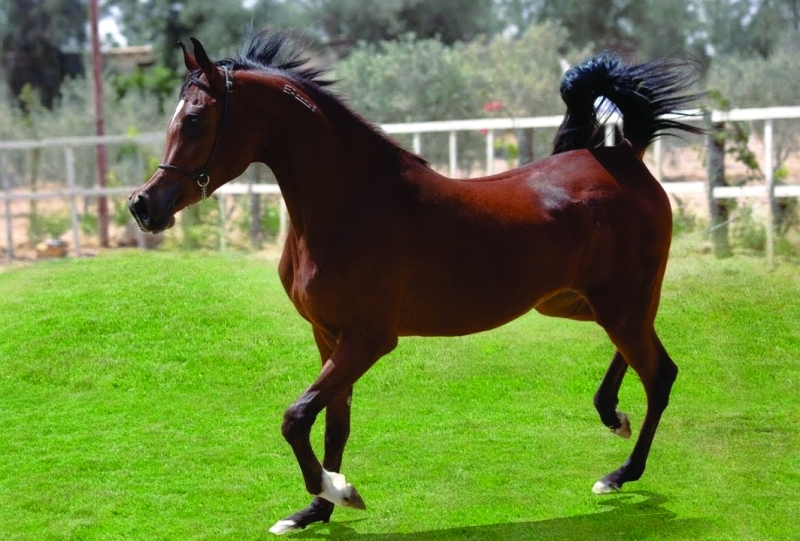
(203, 183)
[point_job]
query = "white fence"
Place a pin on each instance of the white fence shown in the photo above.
(72, 192)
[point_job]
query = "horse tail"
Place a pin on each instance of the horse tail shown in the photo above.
(645, 94)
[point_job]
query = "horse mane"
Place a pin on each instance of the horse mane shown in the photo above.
(280, 53)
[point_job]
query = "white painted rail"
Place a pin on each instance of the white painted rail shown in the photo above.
(416, 129)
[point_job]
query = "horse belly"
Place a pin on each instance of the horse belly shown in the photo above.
(482, 291)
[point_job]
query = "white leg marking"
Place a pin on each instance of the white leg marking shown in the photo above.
(177, 110)
(624, 431)
(283, 526)
(601, 487)
(338, 491)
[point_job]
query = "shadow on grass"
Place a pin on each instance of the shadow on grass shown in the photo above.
(629, 517)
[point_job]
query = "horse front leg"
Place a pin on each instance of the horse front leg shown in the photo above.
(353, 356)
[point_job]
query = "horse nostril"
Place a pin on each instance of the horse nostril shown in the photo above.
(138, 208)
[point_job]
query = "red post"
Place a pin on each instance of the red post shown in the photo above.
(97, 71)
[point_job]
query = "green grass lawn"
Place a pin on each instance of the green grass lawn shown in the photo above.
(141, 397)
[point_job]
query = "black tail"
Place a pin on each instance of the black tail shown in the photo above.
(643, 94)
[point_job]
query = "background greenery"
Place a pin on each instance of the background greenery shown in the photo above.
(142, 395)
(396, 61)
(488, 49)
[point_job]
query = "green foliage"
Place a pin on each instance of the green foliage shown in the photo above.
(73, 113)
(524, 73)
(158, 81)
(41, 44)
(737, 144)
(271, 218)
(748, 233)
(757, 82)
(762, 82)
(507, 147)
(348, 21)
(753, 29)
(220, 24)
(652, 28)
(406, 81)
(683, 222)
(418, 80)
(44, 225)
(199, 228)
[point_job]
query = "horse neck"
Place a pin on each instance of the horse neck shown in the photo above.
(323, 160)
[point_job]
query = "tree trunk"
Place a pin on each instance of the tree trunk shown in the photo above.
(525, 138)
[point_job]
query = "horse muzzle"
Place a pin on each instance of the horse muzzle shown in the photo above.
(147, 216)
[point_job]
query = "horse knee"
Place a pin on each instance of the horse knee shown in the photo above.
(296, 421)
(604, 401)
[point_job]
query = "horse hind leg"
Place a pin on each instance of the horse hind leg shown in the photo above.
(647, 356)
(606, 398)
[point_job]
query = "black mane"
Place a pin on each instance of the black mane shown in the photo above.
(280, 53)
(265, 51)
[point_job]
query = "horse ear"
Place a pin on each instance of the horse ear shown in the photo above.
(188, 58)
(205, 64)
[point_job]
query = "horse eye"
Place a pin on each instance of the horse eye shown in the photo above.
(193, 121)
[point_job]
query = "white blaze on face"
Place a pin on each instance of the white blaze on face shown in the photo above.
(177, 110)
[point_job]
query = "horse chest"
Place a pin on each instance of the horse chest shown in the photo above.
(333, 295)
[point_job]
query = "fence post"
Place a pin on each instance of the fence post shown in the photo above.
(254, 228)
(658, 156)
(770, 180)
(489, 152)
(69, 164)
(417, 144)
(453, 155)
(7, 200)
(283, 229)
(223, 244)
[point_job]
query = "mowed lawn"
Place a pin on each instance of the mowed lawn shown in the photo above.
(141, 397)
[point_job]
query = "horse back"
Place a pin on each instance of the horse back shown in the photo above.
(493, 248)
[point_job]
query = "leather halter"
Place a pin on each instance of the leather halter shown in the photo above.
(201, 175)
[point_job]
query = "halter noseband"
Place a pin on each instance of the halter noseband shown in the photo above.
(201, 175)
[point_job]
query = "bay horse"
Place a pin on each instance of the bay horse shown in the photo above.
(382, 246)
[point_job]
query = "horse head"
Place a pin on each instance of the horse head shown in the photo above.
(202, 152)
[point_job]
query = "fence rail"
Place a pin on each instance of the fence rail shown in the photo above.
(768, 191)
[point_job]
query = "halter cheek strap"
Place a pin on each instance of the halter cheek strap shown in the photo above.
(201, 175)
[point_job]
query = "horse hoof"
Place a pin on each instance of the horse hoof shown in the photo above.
(283, 526)
(353, 499)
(605, 487)
(624, 430)
(338, 491)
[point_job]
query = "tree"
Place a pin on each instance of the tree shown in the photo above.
(343, 23)
(646, 28)
(162, 23)
(418, 80)
(746, 28)
(42, 44)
